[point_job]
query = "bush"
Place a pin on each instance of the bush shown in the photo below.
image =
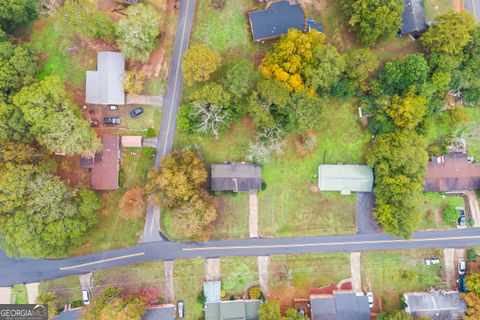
(121, 177)
(450, 214)
(264, 185)
(112, 292)
(133, 82)
(472, 254)
(150, 133)
(201, 299)
(148, 152)
(234, 194)
(410, 275)
(77, 304)
(254, 293)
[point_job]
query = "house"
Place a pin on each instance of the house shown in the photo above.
(232, 310)
(413, 18)
(237, 177)
(105, 164)
(104, 86)
(345, 178)
(453, 172)
(438, 305)
(276, 20)
(341, 305)
(161, 312)
(211, 290)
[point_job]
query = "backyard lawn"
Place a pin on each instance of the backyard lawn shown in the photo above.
(189, 276)
(433, 203)
(67, 289)
(238, 274)
(19, 294)
(390, 274)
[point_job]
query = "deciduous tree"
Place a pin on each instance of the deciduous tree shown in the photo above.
(408, 111)
(15, 13)
(137, 33)
(49, 298)
(327, 69)
(473, 306)
(269, 310)
(240, 79)
(83, 19)
(472, 282)
(199, 62)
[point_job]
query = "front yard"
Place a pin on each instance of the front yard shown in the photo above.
(67, 289)
(188, 281)
(433, 204)
(238, 274)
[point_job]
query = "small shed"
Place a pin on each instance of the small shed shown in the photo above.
(232, 310)
(211, 290)
(104, 86)
(237, 177)
(132, 141)
(345, 178)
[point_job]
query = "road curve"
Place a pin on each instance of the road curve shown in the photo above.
(14, 270)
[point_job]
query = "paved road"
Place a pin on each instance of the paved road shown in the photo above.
(171, 104)
(32, 270)
(474, 7)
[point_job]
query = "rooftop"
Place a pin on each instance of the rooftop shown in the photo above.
(232, 310)
(452, 172)
(162, 312)
(104, 86)
(340, 306)
(106, 166)
(238, 177)
(276, 20)
(438, 305)
(345, 178)
(413, 18)
(211, 290)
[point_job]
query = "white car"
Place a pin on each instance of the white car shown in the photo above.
(86, 297)
(461, 266)
(370, 299)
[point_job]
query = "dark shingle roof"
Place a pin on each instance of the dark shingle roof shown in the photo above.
(276, 20)
(340, 306)
(452, 172)
(413, 18)
(237, 177)
(166, 312)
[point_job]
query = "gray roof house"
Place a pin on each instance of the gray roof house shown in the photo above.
(340, 306)
(276, 20)
(438, 305)
(345, 178)
(237, 177)
(232, 310)
(104, 86)
(162, 312)
(413, 18)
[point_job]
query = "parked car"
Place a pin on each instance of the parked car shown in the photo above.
(180, 310)
(461, 266)
(112, 107)
(370, 299)
(86, 297)
(136, 112)
(461, 284)
(433, 260)
(462, 219)
(114, 120)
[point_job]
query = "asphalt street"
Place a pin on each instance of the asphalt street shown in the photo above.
(171, 105)
(474, 7)
(14, 270)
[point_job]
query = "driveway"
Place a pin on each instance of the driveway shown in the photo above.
(473, 6)
(364, 213)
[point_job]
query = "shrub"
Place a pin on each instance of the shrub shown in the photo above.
(450, 214)
(148, 152)
(121, 177)
(472, 254)
(150, 133)
(254, 293)
(133, 82)
(76, 304)
(201, 299)
(264, 185)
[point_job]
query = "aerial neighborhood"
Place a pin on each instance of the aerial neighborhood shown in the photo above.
(239, 159)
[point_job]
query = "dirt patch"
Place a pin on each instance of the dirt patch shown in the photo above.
(69, 170)
(317, 5)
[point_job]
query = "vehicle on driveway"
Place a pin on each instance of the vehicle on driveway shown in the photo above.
(370, 299)
(461, 267)
(433, 260)
(136, 112)
(180, 309)
(114, 120)
(112, 107)
(462, 219)
(86, 297)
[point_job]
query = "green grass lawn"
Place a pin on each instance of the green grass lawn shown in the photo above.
(238, 274)
(292, 276)
(19, 294)
(433, 203)
(189, 276)
(433, 8)
(115, 230)
(226, 30)
(384, 274)
(67, 289)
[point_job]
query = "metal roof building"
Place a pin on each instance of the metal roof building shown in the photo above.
(438, 305)
(162, 312)
(105, 85)
(345, 178)
(237, 177)
(340, 306)
(413, 18)
(211, 290)
(276, 20)
(232, 310)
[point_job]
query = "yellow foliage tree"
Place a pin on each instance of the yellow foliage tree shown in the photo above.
(406, 112)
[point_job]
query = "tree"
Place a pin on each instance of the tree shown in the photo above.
(395, 315)
(199, 62)
(472, 283)
(133, 82)
(269, 310)
(473, 306)
(117, 307)
(53, 119)
(450, 214)
(327, 70)
(179, 179)
(137, 33)
(240, 79)
(373, 19)
(212, 94)
(360, 63)
(292, 314)
(13, 126)
(193, 218)
(15, 13)
(399, 160)
(450, 34)
(408, 111)
(83, 19)
(209, 119)
(306, 111)
(291, 57)
(49, 298)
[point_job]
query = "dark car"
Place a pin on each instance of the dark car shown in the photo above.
(462, 219)
(180, 310)
(136, 112)
(114, 120)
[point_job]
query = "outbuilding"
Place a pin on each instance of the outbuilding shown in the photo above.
(236, 177)
(104, 86)
(345, 178)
